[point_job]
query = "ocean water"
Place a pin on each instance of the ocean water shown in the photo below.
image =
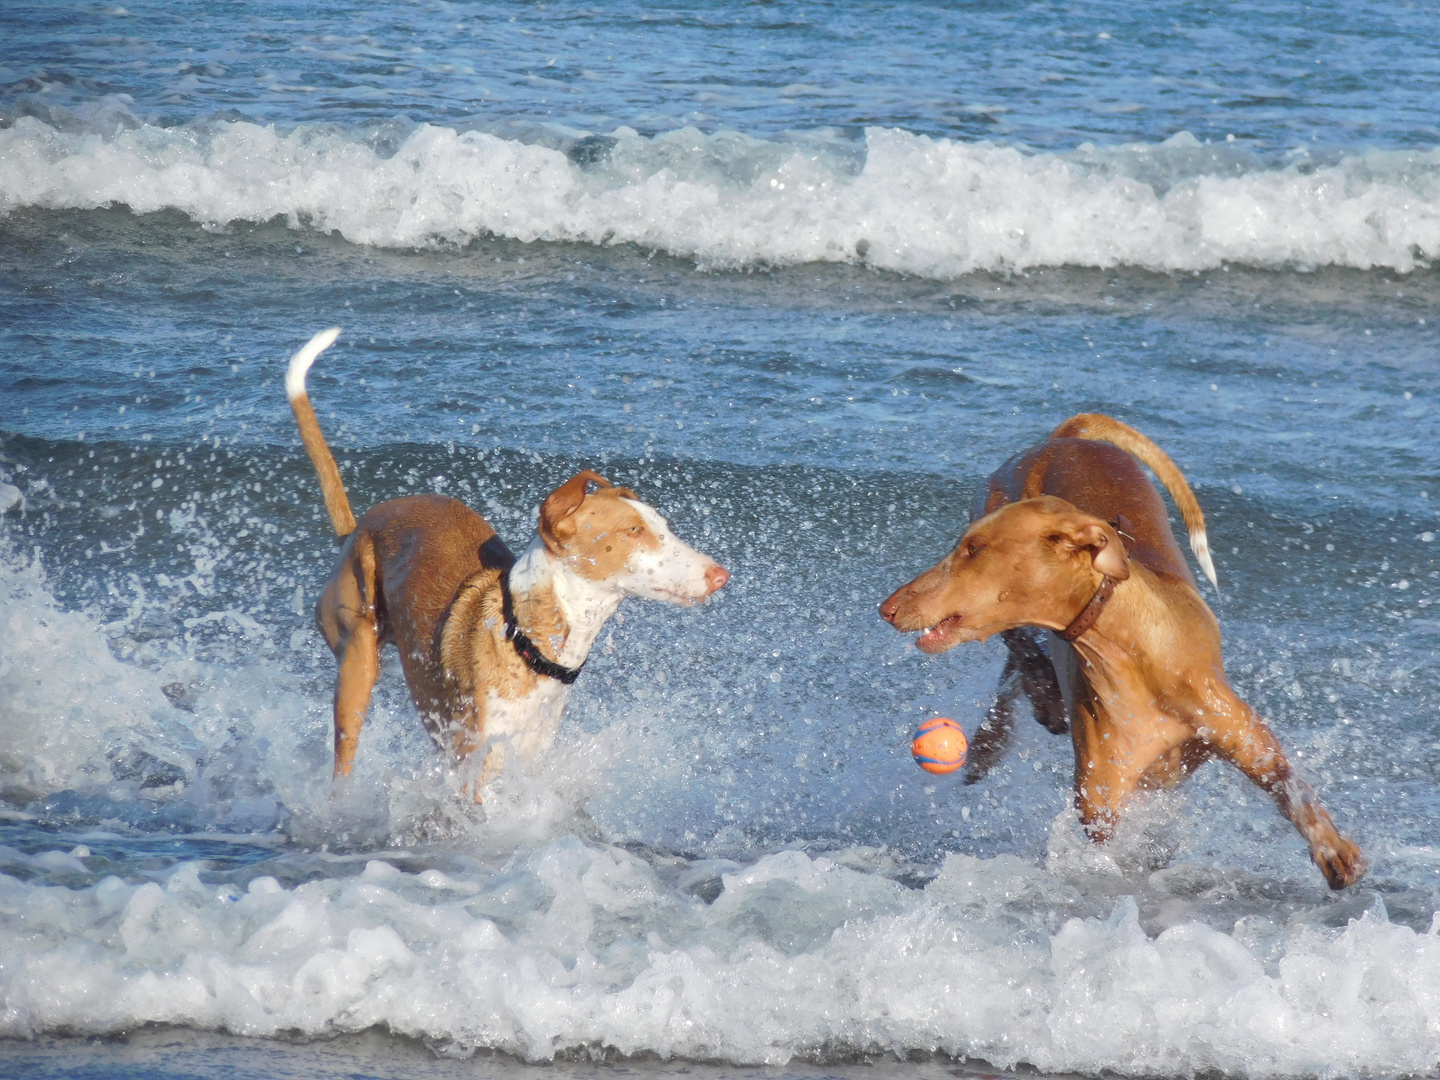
(802, 275)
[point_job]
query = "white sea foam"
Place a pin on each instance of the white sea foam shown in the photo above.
(575, 946)
(932, 207)
(66, 703)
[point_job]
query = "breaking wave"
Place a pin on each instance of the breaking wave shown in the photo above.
(570, 947)
(902, 202)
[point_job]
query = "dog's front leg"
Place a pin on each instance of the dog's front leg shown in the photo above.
(1027, 670)
(1236, 731)
(490, 768)
(992, 737)
(468, 735)
(1102, 780)
(1038, 678)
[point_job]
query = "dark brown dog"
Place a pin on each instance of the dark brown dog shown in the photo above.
(1071, 537)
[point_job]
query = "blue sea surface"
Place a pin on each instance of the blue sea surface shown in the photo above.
(802, 275)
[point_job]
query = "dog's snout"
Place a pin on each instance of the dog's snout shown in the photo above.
(716, 577)
(889, 606)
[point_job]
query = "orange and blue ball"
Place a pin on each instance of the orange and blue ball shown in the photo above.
(939, 745)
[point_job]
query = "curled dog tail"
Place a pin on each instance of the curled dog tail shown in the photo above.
(1102, 428)
(330, 486)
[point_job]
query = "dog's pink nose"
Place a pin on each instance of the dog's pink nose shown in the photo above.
(889, 607)
(715, 577)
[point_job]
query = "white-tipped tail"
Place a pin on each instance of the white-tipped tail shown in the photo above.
(1107, 429)
(1200, 545)
(336, 503)
(301, 361)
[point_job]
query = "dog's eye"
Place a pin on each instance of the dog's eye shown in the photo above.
(973, 548)
(635, 530)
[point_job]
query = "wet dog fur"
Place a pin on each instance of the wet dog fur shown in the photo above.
(1143, 689)
(428, 574)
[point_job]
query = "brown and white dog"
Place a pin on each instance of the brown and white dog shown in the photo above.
(490, 644)
(1071, 537)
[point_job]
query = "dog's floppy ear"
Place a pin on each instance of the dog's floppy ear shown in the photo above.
(561, 504)
(1104, 544)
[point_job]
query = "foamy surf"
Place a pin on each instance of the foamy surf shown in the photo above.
(571, 947)
(903, 202)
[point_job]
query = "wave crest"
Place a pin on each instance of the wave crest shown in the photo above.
(908, 203)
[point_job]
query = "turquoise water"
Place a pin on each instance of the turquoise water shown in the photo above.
(802, 277)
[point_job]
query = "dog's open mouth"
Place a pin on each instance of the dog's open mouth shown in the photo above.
(939, 637)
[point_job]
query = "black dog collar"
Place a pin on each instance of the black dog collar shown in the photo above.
(494, 553)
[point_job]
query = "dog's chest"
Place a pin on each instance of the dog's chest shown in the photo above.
(527, 723)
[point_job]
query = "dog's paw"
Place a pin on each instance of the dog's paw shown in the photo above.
(1342, 863)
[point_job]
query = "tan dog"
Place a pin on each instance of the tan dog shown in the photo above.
(1072, 537)
(489, 644)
